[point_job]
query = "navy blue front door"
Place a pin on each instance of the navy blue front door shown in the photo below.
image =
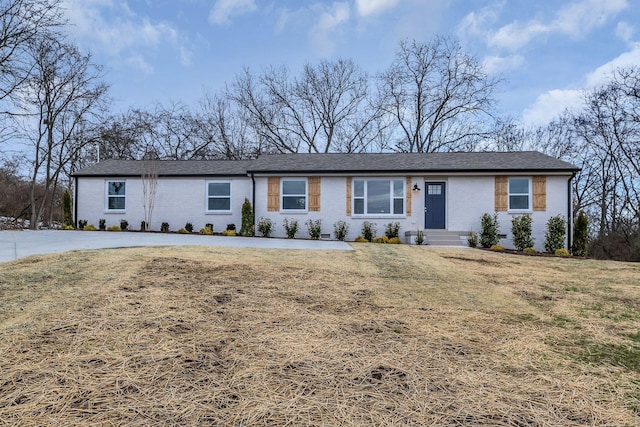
(434, 204)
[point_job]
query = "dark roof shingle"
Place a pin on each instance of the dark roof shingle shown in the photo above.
(336, 163)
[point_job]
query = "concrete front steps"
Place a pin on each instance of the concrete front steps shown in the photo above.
(445, 238)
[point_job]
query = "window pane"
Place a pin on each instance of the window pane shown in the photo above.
(116, 202)
(358, 206)
(358, 188)
(116, 188)
(519, 185)
(397, 188)
(219, 189)
(398, 206)
(434, 190)
(378, 197)
(289, 202)
(222, 204)
(293, 187)
(518, 202)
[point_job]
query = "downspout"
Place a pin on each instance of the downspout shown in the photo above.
(570, 213)
(253, 201)
(75, 202)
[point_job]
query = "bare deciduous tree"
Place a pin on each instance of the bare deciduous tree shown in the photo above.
(62, 92)
(438, 95)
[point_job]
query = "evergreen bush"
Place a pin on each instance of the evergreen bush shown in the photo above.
(555, 235)
(392, 230)
(189, 227)
(521, 231)
(124, 224)
(314, 228)
(67, 217)
(580, 235)
(247, 228)
(341, 229)
(369, 230)
(290, 227)
(265, 226)
(489, 230)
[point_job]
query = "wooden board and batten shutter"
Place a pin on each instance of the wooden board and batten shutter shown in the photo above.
(540, 193)
(314, 193)
(273, 194)
(409, 189)
(502, 192)
(348, 196)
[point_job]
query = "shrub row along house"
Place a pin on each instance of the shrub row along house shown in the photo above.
(444, 194)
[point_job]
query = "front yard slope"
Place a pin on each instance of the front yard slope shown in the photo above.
(384, 335)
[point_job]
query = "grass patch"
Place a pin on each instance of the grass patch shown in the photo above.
(383, 335)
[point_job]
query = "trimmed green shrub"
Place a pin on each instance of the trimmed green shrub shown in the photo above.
(472, 239)
(314, 228)
(555, 235)
(341, 229)
(124, 224)
(164, 227)
(114, 228)
(189, 227)
(102, 224)
(229, 233)
(489, 230)
(580, 235)
(67, 217)
(521, 230)
(562, 252)
(369, 230)
(392, 230)
(90, 227)
(230, 227)
(82, 223)
(291, 227)
(247, 228)
(265, 226)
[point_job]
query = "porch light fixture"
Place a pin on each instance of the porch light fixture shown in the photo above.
(415, 187)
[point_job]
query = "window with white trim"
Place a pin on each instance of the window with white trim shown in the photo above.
(520, 194)
(378, 196)
(294, 194)
(116, 195)
(218, 196)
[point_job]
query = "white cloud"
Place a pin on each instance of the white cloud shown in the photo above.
(370, 7)
(138, 62)
(324, 32)
(475, 24)
(516, 35)
(575, 20)
(625, 31)
(112, 28)
(578, 19)
(498, 64)
(549, 105)
(223, 10)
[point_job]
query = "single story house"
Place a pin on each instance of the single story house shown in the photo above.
(444, 194)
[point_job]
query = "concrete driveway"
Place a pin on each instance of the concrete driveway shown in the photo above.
(19, 244)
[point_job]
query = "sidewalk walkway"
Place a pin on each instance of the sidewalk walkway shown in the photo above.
(19, 244)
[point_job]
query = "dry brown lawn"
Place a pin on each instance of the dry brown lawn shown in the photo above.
(383, 335)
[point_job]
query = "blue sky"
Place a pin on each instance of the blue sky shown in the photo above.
(547, 51)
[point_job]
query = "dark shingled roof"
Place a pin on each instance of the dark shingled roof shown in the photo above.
(529, 161)
(521, 161)
(184, 168)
